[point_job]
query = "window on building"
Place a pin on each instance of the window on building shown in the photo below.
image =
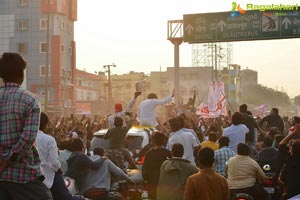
(22, 3)
(43, 24)
(43, 70)
(43, 47)
(22, 25)
(22, 48)
(63, 48)
(62, 25)
(70, 51)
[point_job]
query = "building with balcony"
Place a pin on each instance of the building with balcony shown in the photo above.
(24, 28)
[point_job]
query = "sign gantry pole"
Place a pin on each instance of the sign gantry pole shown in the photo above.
(175, 35)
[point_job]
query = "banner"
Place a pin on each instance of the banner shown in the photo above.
(216, 101)
(262, 110)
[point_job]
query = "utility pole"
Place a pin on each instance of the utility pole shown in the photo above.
(47, 58)
(107, 69)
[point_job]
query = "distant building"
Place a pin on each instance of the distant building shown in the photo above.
(123, 87)
(248, 77)
(231, 77)
(91, 92)
(23, 29)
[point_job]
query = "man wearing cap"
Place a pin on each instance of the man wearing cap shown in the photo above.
(120, 113)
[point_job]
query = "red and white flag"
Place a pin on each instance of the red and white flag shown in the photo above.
(262, 109)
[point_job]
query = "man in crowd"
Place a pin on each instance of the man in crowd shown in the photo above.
(206, 184)
(243, 173)
(273, 120)
(120, 113)
(19, 121)
(187, 139)
(222, 155)
(236, 132)
(173, 175)
(249, 121)
(146, 112)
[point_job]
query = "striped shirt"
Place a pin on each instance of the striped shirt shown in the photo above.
(221, 157)
(19, 123)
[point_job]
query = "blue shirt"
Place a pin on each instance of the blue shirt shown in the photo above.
(221, 157)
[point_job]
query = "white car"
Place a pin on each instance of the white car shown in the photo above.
(136, 139)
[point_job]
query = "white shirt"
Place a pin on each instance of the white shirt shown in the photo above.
(188, 141)
(146, 112)
(48, 153)
(236, 135)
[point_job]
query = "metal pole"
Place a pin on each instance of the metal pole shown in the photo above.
(176, 73)
(47, 58)
(109, 85)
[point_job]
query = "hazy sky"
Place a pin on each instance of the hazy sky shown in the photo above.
(133, 35)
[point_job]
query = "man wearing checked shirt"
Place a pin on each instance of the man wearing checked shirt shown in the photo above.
(19, 122)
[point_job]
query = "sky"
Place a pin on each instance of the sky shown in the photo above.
(132, 34)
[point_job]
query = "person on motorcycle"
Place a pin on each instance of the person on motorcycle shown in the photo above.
(268, 155)
(97, 183)
(243, 173)
(79, 163)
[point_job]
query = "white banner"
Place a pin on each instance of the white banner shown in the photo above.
(262, 110)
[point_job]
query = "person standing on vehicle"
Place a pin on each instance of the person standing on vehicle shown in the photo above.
(273, 120)
(19, 121)
(146, 110)
(120, 113)
(116, 136)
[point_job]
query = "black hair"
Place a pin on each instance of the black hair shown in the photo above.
(275, 110)
(180, 121)
(177, 150)
(44, 120)
(152, 96)
(12, 67)
(237, 118)
(296, 148)
(118, 122)
(206, 157)
(224, 141)
(75, 144)
(212, 136)
(243, 149)
(243, 108)
(296, 119)
(174, 124)
(98, 151)
(268, 142)
(159, 139)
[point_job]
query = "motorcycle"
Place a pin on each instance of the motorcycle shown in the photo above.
(270, 185)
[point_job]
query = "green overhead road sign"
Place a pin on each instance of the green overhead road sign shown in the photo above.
(253, 25)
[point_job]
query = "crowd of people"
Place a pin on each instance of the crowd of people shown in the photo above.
(188, 157)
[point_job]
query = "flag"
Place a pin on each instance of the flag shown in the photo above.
(262, 109)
